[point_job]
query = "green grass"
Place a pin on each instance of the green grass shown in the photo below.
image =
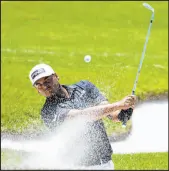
(139, 161)
(61, 33)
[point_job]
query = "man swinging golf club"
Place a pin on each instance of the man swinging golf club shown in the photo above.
(80, 99)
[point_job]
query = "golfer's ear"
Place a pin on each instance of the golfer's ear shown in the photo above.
(57, 77)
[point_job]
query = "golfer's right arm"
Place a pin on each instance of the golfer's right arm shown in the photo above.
(98, 112)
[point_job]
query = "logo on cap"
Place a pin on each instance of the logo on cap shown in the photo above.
(37, 72)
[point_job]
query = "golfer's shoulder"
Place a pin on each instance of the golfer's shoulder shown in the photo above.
(84, 84)
(47, 107)
(44, 108)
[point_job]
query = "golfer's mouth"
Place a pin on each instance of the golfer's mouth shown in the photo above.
(48, 89)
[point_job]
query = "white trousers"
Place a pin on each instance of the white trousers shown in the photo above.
(106, 166)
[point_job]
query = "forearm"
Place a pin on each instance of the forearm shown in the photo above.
(112, 115)
(96, 112)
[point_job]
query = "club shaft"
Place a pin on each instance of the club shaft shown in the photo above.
(141, 62)
(142, 56)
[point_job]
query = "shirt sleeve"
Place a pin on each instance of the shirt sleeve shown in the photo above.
(62, 114)
(53, 118)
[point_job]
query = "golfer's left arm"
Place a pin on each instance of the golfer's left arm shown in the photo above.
(113, 115)
(102, 100)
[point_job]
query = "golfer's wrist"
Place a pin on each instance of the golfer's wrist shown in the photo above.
(117, 106)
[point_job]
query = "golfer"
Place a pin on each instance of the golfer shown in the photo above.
(80, 99)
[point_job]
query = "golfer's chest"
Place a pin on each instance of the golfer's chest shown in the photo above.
(80, 100)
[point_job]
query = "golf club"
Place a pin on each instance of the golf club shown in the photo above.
(142, 56)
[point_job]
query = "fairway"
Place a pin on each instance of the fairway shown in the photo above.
(61, 34)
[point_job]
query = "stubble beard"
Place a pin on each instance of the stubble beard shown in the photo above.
(59, 91)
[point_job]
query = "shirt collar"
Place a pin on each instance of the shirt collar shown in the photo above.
(70, 91)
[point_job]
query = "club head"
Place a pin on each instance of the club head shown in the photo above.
(148, 7)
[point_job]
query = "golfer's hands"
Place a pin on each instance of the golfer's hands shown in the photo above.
(128, 102)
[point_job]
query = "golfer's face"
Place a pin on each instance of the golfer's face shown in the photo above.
(46, 85)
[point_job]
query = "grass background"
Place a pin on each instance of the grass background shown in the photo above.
(138, 161)
(61, 34)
